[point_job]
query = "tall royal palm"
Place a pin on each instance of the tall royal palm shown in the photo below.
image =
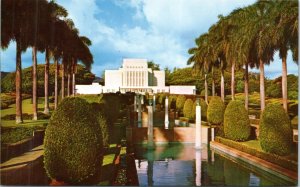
(261, 52)
(202, 59)
(51, 14)
(284, 31)
(14, 20)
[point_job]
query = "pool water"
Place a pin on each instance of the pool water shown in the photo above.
(178, 164)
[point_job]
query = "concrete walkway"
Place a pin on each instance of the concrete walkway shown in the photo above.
(26, 169)
(22, 160)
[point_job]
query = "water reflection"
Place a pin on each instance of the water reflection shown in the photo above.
(167, 165)
(198, 168)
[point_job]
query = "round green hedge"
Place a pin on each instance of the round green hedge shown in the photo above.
(172, 101)
(73, 143)
(203, 109)
(98, 110)
(180, 102)
(188, 111)
(202, 93)
(275, 132)
(111, 107)
(236, 122)
(215, 110)
(161, 98)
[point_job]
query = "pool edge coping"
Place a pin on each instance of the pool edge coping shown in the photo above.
(257, 162)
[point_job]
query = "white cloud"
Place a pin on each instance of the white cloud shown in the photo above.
(172, 28)
(180, 16)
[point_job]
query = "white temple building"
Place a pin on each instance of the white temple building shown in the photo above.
(134, 76)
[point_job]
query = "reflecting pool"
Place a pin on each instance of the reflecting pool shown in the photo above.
(180, 164)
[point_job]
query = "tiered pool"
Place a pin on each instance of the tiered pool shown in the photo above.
(180, 164)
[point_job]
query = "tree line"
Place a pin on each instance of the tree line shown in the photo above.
(44, 27)
(248, 37)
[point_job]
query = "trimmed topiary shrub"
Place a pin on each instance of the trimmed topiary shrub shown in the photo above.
(111, 104)
(73, 143)
(236, 121)
(98, 110)
(202, 93)
(172, 101)
(275, 131)
(180, 102)
(215, 110)
(203, 106)
(161, 98)
(188, 109)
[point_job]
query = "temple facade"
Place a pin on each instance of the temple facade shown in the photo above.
(134, 76)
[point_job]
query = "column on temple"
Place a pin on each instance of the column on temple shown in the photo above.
(131, 78)
(134, 78)
(139, 80)
(142, 78)
(127, 78)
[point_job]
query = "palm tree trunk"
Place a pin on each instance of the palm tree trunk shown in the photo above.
(68, 86)
(19, 118)
(213, 82)
(246, 83)
(62, 81)
(74, 80)
(73, 85)
(262, 84)
(34, 83)
(56, 83)
(284, 84)
(46, 82)
(222, 85)
(205, 85)
(232, 81)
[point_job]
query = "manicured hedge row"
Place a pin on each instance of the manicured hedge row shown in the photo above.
(26, 116)
(275, 159)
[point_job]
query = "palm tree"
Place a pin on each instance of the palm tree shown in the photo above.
(201, 58)
(84, 55)
(215, 36)
(15, 19)
(52, 13)
(285, 33)
(260, 49)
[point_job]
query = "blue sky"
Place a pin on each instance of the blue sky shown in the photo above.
(158, 30)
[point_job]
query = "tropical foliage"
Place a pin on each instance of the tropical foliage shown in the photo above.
(248, 37)
(8, 82)
(43, 26)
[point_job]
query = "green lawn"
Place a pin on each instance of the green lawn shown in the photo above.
(108, 166)
(26, 108)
